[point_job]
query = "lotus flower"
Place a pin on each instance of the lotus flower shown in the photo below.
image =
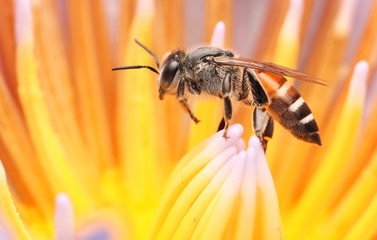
(90, 153)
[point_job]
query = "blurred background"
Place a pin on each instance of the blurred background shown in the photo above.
(69, 124)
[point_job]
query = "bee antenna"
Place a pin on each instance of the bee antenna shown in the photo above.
(135, 67)
(149, 51)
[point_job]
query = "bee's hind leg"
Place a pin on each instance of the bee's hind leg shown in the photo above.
(262, 121)
(226, 88)
(263, 125)
(227, 115)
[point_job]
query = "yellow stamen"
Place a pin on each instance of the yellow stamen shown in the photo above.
(11, 223)
(51, 154)
(319, 193)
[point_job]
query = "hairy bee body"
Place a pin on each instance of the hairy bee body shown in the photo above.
(257, 88)
(218, 72)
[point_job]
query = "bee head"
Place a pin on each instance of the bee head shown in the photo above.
(170, 73)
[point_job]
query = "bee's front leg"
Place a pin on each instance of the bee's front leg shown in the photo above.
(263, 125)
(183, 101)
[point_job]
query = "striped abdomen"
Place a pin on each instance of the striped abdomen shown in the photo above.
(287, 107)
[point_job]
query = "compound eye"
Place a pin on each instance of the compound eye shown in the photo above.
(168, 73)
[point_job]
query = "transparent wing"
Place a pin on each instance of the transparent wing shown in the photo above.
(269, 67)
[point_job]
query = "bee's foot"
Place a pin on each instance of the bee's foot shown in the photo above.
(264, 141)
(225, 135)
(192, 116)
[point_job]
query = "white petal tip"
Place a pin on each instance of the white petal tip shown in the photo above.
(359, 81)
(254, 142)
(24, 21)
(2, 173)
(362, 67)
(145, 6)
(220, 27)
(64, 217)
(62, 199)
(235, 130)
(218, 36)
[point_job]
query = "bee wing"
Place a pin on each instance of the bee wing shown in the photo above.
(269, 67)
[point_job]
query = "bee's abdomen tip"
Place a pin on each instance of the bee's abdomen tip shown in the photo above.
(315, 138)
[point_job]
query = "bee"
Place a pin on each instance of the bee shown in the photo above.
(218, 72)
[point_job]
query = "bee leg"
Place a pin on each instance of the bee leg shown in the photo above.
(245, 89)
(226, 88)
(188, 110)
(183, 101)
(227, 115)
(259, 95)
(263, 126)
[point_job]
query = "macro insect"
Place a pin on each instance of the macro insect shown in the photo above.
(218, 72)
